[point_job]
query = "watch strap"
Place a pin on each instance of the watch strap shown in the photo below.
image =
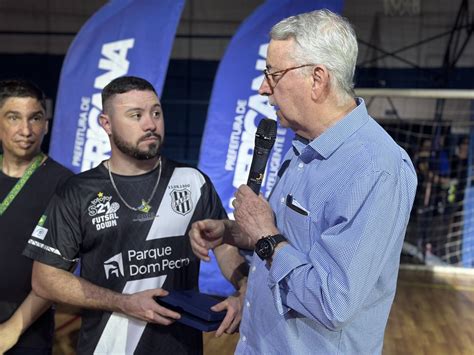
(277, 239)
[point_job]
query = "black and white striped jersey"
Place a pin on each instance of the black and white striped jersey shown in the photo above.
(128, 251)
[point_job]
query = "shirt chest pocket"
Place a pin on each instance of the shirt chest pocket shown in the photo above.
(297, 228)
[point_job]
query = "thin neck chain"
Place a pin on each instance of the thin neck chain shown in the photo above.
(145, 206)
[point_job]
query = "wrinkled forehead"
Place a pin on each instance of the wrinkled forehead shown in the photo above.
(280, 52)
(22, 104)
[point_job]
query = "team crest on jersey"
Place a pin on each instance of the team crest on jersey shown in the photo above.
(181, 201)
(103, 211)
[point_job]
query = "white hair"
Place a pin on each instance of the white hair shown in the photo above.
(323, 37)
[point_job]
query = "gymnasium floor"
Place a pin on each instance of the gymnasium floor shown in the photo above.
(433, 314)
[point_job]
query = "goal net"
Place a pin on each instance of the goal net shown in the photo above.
(436, 128)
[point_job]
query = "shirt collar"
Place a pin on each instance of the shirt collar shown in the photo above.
(328, 142)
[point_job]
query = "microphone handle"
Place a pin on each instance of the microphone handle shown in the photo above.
(257, 168)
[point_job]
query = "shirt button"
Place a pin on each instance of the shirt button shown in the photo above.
(254, 268)
(248, 304)
(282, 200)
(244, 338)
(300, 165)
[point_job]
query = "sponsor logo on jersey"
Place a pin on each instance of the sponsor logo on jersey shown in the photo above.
(181, 201)
(114, 266)
(39, 231)
(146, 262)
(47, 248)
(155, 260)
(143, 217)
(103, 211)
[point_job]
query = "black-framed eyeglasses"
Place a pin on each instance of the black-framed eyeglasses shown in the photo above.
(275, 77)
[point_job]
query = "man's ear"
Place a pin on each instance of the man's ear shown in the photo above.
(105, 123)
(46, 127)
(319, 81)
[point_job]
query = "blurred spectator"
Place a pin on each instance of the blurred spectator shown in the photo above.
(431, 202)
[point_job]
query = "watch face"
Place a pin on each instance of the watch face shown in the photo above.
(264, 248)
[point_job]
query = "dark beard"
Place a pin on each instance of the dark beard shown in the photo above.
(133, 151)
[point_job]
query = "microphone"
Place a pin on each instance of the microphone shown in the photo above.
(264, 140)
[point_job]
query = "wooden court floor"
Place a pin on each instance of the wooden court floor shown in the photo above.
(433, 313)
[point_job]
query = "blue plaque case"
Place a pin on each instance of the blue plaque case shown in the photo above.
(194, 308)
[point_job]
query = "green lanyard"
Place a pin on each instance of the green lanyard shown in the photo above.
(19, 185)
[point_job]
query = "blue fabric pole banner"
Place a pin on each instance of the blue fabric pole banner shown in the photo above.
(235, 110)
(467, 237)
(125, 37)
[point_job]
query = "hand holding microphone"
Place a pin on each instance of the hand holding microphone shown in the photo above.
(206, 235)
(253, 213)
(264, 140)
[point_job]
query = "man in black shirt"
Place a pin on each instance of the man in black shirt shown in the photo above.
(127, 219)
(28, 179)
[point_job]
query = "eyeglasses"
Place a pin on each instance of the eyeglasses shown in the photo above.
(275, 77)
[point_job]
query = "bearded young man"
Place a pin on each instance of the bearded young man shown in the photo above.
(127, 220)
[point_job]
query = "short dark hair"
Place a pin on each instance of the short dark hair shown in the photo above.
(21, 88)
(125, 84)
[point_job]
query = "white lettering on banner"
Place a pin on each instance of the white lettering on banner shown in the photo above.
(81, 132)
(97, 144)
(235, 135)
(276, 158)
(256, 106)
(115, 62)
(245, 150)
(92, 144)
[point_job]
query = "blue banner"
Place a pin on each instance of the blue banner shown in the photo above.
(236, 108)
(125, 37)
(467, 237)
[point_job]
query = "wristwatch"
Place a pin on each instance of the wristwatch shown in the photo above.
(265, 246)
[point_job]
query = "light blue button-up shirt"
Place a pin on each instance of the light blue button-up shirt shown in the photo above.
(343, 203)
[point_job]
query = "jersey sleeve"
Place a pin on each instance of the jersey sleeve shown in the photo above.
(57, 238)
(212, 204)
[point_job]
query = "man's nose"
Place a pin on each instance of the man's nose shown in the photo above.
(265, 88)
(148, 123)
(25, 128)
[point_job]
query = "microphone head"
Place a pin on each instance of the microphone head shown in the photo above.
(266, 133)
